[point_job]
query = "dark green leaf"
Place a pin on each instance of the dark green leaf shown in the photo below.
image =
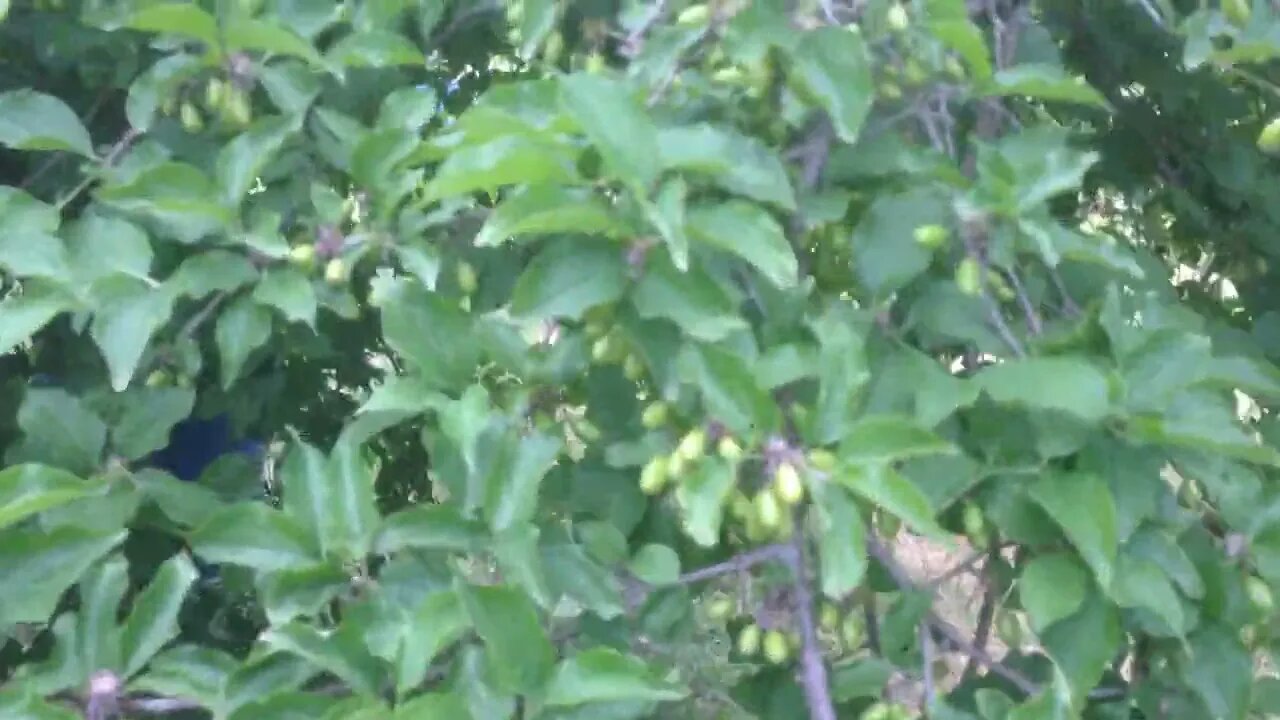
(507, 160)
(888, 438)
(1070, 385)
(692, 300)
(614, 120)
(1051, 588)
(729, 389)
(38, 566)
(34, 121)
(833, 65)
(58, 429)
(257, 536)
(1082, 505)
(149, 415)
(29, 489)
(519, 653)
(887, 488)
(153, 620)
(290, 292)
(547, 210)
(242, 327)
(751, 233)
(602, 675)
(128, 312)
(569, 277)
(337, 653)
(842, 552)
(736, 162)
(428, 527)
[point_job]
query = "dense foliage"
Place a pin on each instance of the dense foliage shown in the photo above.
(605, 359)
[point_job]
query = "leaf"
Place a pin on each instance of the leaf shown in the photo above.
(880, 439)
(511, 497)
(183, 502)
(1070, 385)
(603, 674)
(409, 108)
(177, 198)
(885, 255)
(431, 333)
(58, 429)
(99, 245)
(729, 390)
(337, 653)
(153, 620)
(887, 488)
(1082, 506)
(439, 621)
(549, 210)
(374, 49)
(242, 328)
(538, 19)
(254, 535)
(750, 233)
(1044, 82)
(1140, 583)
(242, 160)
(703, 494)
(1051, 587)
(39, 565)
(520, 655)
(429, 527)
(667, 214)
(833, 65)
(245, 33)
(738, 163)
(34, 121)
(290, 292)
(128, 313)
(434, 705)
(1219, 670)
(1083, 645)
(567, 278)
(34, 254)
(842, 372)
(655, 564)
(308, 493)
(842, 552)
(692, 300)
(297, 591)
(24, 314)
(353, 511)
(616, 123)
(32, 488)
(178, 19)
(506, 160)
(149, 415)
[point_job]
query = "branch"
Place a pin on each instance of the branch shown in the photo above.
(953, 636)
(982, 634)
(926, 650)
(1034, 325)
(738, 563)
(813, 672)
(108, 160)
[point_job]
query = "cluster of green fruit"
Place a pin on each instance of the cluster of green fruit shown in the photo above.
(886, 711)
(922, 60)
(304, 257)
(609, 347)
(839, 633)
(222, 99)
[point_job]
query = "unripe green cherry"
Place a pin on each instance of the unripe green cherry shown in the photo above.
(969, 277)
(931, 236)
(654, 475)
(729, 449)
(822, 460)
(1237, 12)
(1259, 594)
(829, 617)
(655, 415)
(719, 607)
(749, 640)
(897, 17)
(159, 379)
(190, 118)
(214, 92)
(335, 272)
(466, 275)
(787, 484)
(853, 631)
(303, 256)
(633, 367)
(693, 445)
(768, 510)
(1269, 138)
(776, 648)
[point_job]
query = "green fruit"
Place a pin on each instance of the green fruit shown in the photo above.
(190, 117)
(776, 648)
(740, 506)
(4, 9)
(159, 379)
(878, 711)
(595, 64)
(1009, 629)
(676, 465)
(913, 73)
(633, 368)
(853, 631)
(890, 91)
(823, 460)
(749, 640)
(975, 525)
(602, 349)
(953, 67)
(595, 329)
(466, 275)
(237, 107)
(214, 91)
(1269, 138)
(931, 236)
(694, 16)
(787, 484)
(969, 277)
(897, 18)
(303, 256)
(335, 272)
(1259, 594)
(655, 415)
(719, 607)
(729, 449)
(654, 475)
(1237, 12)
(768, 511)
(829, 617)
(693, 446)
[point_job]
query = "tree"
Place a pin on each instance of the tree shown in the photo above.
(616, 359)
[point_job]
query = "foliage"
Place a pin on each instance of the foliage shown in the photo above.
(606, 350)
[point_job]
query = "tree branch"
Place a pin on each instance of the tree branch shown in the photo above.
(813, 671)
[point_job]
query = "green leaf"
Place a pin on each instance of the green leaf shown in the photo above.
(291, 85)
(537, 20)
(24, 314)
(667, 214)
(738, 163)
(1140, 583)
(655, 564)
(297, 591)
(881, 439)
(153, 621)
(100, 245)
(185, 19)
(254, 535)
(290, 292)
(242, 328)
(245, 33)
(32, 488)
(505, 161)
(374, 49)
(1220, 671)
(693, 300)
(860, 678)
(409, 108)
(1044, 82)
(338, 653)
(353, 511)
(97, 638)
(58, 429)
(729, 389)
(887, 488)
(885, 255)
(963, 36)
(179, 199)
(434, 705)
(702, 495)
(308, 493)
(34, 254)
(603, 674)
(429, 527)
(188, 504)
(439, 621)
(34, 121)
(39, 565)
(750, 233)
(549, 210)
(128, 312)
(1082, 506)
(834, 66)
(1052, 587)
(242, 160)
(1083, 645)
(842, 372)
(426, 329)
(520, 655)
(842, 552)
(149, 415)
(567, 278)
(1070, 385)
(511, 496)
(615, 122)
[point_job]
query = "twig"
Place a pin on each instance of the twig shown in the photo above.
(812, 153)
(1068, 303)
(738, 563)
(982, 633)
(953, 636)
(961, 567)
(1034, 324)
(872, 621)
(633, 42)
(108, 160)
(200, 317)
(926, 651)
(813, 672)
